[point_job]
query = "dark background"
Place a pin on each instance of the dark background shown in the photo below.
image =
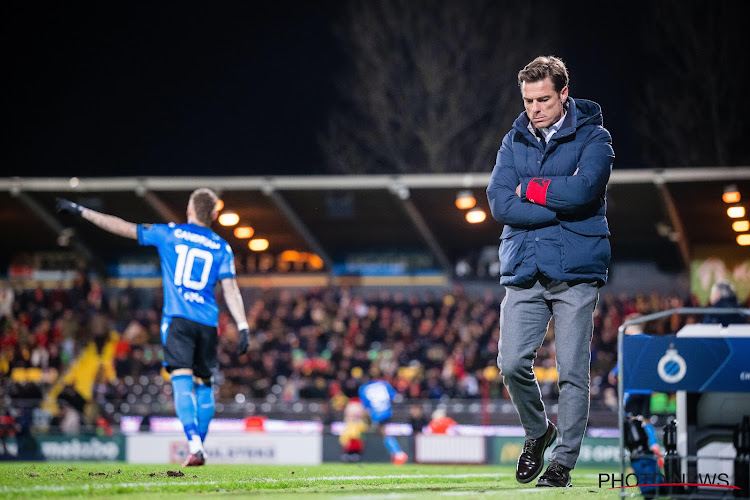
(103, 89)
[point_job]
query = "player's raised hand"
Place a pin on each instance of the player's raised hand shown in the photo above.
(243, 341)
(68, 206)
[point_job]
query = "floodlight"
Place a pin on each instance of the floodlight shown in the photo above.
(258, 244)
(736, 212)
(731, 194)
(229, 219)
(243, 232)
(476, 216)
(465, 199)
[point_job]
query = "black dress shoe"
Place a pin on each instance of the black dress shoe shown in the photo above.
(531, 461)
(556, 476)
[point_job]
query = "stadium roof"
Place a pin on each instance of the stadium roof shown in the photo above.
(655, 215)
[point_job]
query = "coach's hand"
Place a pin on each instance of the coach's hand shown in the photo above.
(68, 206)
(243, 341)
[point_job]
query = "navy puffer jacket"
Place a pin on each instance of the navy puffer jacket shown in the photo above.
(558, 226)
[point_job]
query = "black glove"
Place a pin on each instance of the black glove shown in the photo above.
(243, 341)
(68, 206)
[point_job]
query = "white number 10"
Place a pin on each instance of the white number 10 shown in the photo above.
(184, 269)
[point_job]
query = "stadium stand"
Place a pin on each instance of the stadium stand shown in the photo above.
(98, 350)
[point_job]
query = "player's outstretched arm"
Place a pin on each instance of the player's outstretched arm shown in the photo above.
(233, 298)
(107, 222)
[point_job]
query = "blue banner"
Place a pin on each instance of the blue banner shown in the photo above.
(695, 364)
(385, 263)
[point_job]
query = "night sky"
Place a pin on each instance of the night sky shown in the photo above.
(242, 88)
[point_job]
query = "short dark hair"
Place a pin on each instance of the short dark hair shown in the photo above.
(543, 67)
(204, 204)
(725, 290)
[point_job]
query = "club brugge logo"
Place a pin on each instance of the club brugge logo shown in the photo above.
(672, 367)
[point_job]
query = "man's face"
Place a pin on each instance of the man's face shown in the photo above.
(544, 106)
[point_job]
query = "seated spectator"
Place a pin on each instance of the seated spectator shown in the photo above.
(69, 420)
(417, 419)
(440, 423)
(7, 430)
(723, 295)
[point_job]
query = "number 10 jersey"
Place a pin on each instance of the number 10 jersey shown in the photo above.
(193, 259)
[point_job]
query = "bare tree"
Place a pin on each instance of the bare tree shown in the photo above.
(432, 86)
(692, 110)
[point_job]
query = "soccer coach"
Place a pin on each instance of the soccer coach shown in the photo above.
(548, 189)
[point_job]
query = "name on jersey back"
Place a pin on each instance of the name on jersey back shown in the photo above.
(196, 238)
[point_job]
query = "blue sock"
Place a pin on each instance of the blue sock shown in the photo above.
(392, 445)
(184, 404)
(204, 395)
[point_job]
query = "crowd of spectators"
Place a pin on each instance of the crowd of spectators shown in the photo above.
(316, 343)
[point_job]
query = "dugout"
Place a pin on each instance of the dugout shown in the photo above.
(708, 367)
(708, 419)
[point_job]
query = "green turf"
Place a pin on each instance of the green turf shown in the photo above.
(339, 481)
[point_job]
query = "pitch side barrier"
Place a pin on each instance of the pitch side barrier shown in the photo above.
(234, 441)
(700, 358)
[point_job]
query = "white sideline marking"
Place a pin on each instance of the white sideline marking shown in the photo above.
(104, 486)
(489, 494)
(406, 476)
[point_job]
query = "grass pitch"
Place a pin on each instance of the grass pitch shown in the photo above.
(330, 481)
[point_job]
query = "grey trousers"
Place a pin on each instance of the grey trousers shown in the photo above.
(524, 316)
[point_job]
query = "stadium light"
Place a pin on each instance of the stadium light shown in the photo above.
(258, 244)
(315, 261)
(743, 239)
(243, 232)
(219, 205)
(741, 226)
(465, 199)
(290, 255)
(731, 194)
(475, 216)
(229, 219)
(736, 212)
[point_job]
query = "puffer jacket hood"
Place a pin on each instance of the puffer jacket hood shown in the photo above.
(580, 112)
